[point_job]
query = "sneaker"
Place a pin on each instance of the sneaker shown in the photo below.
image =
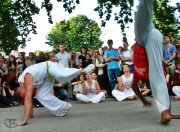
(89, 68)
(64, 111)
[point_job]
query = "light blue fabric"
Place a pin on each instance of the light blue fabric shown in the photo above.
(112, 53)
(168, 52)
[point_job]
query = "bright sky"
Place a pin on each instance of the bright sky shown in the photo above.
(86, 7)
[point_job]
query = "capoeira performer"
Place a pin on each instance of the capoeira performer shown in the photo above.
(124, 90)
(43, 75)
(149, 40)
(91, 91)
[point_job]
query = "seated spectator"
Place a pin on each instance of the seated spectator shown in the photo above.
(78, 85)
(142, 86)
(59, 90)
(124, 90)
(91, 91)
(8, 96)
(176, 82)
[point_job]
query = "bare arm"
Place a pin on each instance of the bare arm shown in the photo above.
(120, 84)
(28, 98)
(97, 88)
(84, 89)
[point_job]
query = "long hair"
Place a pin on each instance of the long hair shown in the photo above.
(12, 62)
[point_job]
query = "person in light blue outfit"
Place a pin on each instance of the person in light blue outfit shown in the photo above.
(111, 56)
(169, 55)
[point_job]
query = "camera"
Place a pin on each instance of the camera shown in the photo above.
(6, 84)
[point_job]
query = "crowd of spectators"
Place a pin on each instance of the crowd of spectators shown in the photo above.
(111, 78)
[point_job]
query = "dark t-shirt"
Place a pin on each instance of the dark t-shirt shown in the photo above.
(86, 63)
(8, 95)
(39, 61)
(83, 58)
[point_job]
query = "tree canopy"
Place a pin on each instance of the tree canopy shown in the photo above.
(74, 33)
(16, 21)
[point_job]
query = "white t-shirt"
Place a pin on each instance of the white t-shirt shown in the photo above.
(63, 59)
(127, 54)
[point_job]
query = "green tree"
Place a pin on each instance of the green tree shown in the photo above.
(77, 32)
(37, 52)
(16, 21)
(165, 20)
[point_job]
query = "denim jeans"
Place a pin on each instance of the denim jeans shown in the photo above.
(8, 101)
(112, 75)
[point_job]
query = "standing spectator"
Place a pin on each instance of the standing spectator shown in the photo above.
(76, 55)
(82, 57)
(72, 60)
(30, 60)
(41, 57)
(3, 71)
(105, 48)
(178, 49)
(21, 64)
(112, 58)
(127, 57)
(53, 59)
(87, 61)
(102, 73)
(91, 52)
(12, 71)
(169, 55)
(63, 59)
(120, 50)
(46, 56)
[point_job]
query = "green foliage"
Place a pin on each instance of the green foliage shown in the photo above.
(37, 52)
(77, 32)
(47, 51)
(165, 20)
(16, 23)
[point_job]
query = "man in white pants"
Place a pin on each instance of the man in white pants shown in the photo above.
(124, 90)
(43, 75)
(91, 91)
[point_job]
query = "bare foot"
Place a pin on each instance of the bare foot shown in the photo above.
(175, 116)
(177, 97)
(87, 102)
(165, 117)
(22, 123)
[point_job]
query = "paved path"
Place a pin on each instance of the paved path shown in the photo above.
(108, 116)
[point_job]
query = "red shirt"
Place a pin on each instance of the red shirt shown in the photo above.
(141, 64)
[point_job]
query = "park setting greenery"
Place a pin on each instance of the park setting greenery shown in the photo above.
(16, 22)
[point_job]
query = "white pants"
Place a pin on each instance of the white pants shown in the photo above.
(94, 98)
(151, 39)
(122, 95)
(176, 90)
(78, 88)
(44, 94)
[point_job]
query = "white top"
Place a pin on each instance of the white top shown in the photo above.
(38, 71)
(63, 59)
(127, 54)
(93, 85)
(127, 81)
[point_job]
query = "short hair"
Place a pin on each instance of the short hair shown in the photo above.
(110, 41)
(126, 65)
